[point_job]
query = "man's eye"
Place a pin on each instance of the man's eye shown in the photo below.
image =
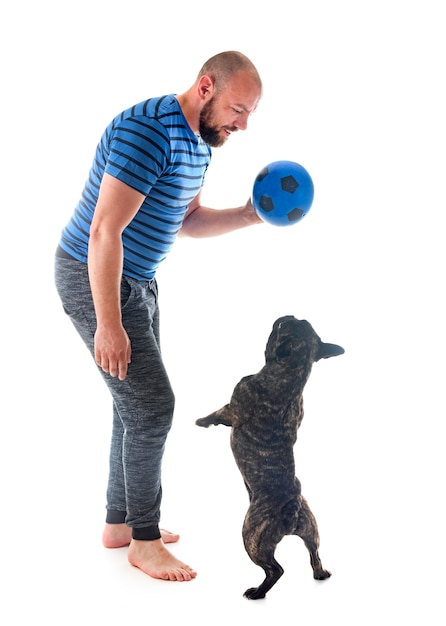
(238, 111)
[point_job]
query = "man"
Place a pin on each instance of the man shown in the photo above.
(143, 189)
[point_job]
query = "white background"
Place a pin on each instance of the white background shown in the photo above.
(354, 91)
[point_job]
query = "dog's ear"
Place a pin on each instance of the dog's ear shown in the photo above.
(327, 350)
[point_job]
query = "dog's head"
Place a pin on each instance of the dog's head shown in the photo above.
(293, 340)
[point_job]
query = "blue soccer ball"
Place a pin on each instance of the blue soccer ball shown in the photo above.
(283, 193)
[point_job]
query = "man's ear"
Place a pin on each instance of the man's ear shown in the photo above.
(205, 87)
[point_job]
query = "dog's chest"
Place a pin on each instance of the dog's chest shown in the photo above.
(263, 440)
(267, 413)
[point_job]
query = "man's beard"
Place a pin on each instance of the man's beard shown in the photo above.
(210, 134)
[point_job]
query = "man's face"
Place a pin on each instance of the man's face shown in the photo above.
(213, 133)
(228, 111)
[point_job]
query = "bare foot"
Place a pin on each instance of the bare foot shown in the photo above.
(120, 535)
(168, 537)
(153, 558)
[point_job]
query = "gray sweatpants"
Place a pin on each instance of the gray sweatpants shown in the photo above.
(143, 403)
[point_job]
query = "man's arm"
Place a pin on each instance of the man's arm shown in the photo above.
(201, 221)
(117, 205)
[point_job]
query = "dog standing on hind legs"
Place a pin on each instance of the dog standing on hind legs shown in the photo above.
(264, 413)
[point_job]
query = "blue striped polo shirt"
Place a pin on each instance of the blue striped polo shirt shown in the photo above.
(151, 148)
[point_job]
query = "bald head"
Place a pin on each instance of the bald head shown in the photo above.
(226, 91)
(223, 66)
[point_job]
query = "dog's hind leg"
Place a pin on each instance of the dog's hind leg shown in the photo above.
(273, 571)
(308, 531)
(260, 544)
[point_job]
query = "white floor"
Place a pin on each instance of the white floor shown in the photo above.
(379, 540)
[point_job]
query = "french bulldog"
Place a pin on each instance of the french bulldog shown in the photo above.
(264, 413)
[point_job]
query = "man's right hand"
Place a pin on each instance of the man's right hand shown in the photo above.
(112, 351)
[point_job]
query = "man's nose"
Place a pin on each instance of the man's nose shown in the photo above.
(242, 121)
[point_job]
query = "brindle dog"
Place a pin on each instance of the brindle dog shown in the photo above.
(265, 411)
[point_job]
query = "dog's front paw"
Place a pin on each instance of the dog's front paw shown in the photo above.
(254, 593)
(203, 421)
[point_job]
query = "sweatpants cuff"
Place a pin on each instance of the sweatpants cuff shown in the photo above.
(115, 517)
(149, 533)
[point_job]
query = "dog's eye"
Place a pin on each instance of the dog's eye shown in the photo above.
(284, 350)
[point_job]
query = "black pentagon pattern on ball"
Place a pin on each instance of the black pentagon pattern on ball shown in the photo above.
(289, 183)
(266, 204)
(295, 215)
